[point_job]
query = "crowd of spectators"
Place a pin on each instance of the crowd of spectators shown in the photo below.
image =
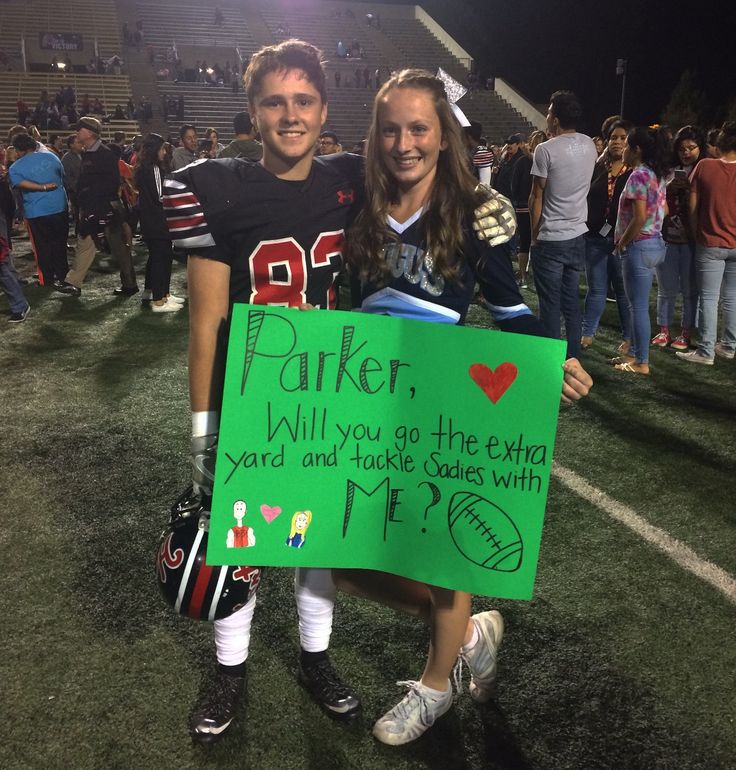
(535, 177)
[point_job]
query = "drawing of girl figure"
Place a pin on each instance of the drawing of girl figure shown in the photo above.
(240, 536)
(300, 522)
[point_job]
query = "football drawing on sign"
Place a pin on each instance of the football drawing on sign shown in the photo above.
(300, 522)
(483, 533)
(240, 536)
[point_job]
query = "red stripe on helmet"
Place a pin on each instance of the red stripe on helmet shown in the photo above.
(200, 590)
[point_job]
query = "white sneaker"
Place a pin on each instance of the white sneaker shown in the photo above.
(481, 659)
(413, 715)
(695, 357)
(167, 307)
(178, 300)
(721, 350)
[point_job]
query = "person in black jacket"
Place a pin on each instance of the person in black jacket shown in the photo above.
(148, 177)
(602, 266)
(521, 187)
(101, 213)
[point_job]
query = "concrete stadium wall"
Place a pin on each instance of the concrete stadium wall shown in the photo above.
(520, 104)
(450, 43)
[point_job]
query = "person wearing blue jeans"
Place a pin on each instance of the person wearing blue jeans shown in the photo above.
(713, 211)
(9, 282)
(562, 169)
(717, 276)
(676, 275)
(557, 266)
(638, 234)
(602, 267)
(639, 260)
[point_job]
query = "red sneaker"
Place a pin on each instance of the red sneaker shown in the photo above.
(661, 340)
(680, 343)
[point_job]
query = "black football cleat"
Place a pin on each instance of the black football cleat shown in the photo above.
(332, 695)
(212, 717)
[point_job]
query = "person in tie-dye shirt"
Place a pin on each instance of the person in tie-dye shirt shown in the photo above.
(638, 235)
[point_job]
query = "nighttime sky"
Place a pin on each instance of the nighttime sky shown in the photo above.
(541, 46)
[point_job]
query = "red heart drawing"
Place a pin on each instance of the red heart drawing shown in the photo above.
(493, 384)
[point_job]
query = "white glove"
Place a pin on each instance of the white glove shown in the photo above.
(495, 220)
(203, 454)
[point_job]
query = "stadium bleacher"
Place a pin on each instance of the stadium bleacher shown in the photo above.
(400, 41)
(110, 89)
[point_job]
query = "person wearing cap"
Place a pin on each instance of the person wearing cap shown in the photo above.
(510, 156)
(101, 213)
(148, 175)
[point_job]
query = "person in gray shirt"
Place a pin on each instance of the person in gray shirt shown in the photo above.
(561, 172)
(187, 153)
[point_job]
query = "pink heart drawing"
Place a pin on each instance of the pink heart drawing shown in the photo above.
(269, 512)
(493, 384)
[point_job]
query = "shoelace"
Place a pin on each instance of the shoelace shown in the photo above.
(329, 679)
(457, 673)
(403, 709)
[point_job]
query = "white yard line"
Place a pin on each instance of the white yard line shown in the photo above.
(677, 551)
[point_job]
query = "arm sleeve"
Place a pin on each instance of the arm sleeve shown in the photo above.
(637, 185)
(495, 275)
(695, 179)
(185, 218)
(15, 176)
(540, 163)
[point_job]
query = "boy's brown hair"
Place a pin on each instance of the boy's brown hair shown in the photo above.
(288, 55)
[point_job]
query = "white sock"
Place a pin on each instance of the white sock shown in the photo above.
(314, 591)
(436, 693)
(473, 640)
(232, 635)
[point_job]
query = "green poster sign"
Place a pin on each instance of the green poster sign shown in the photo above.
(352, 440)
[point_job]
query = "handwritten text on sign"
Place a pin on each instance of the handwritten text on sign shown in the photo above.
(350, 440)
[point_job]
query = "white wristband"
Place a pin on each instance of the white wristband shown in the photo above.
(205, 424)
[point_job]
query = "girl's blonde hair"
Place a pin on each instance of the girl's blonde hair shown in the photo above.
(535, 139)
(293, 530)
(453, 194)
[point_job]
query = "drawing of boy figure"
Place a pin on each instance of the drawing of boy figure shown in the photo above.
(240, 536)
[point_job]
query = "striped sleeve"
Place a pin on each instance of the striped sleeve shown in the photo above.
(186, 220)
(483, 157)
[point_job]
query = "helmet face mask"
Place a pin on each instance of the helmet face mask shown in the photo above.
(187, 582)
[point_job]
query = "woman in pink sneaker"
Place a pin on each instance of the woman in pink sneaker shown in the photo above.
(676, 275)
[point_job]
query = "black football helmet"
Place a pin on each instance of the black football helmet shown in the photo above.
(187, 583)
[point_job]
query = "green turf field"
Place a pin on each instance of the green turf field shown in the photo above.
(622, 660)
